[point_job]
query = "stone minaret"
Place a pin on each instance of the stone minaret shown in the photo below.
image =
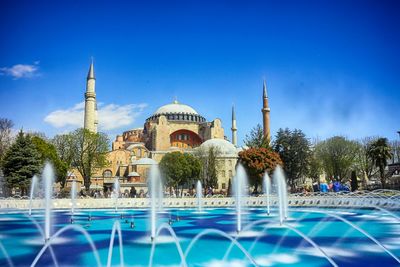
(90, 102)
(234, 129)
(265, 111)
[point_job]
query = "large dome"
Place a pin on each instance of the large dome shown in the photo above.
(224, 147)
(177, 112)
(175, 108)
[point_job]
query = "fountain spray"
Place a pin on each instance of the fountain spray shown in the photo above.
(199, 192)
(267, 190)
(48, 177)
(33, 186)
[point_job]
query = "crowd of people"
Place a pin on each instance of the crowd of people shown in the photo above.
(324, 187)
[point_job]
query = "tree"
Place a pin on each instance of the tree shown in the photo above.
(380, 152)
(256, 138)
(364, 164)
(294, 150)
(21, 162)
(89, 153)
(5, 135)
(229, 191)
(179, 168)
(209, 164)
(395, 145)
(257, 161)
(337, 155)
(315, 165)
(354, 182)
(63, 145)
(48, 152)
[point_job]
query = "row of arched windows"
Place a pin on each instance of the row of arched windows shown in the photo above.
(180, 117)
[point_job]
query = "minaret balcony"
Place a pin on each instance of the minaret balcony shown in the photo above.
(90, 94)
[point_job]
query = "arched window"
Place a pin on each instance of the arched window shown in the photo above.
(107, 174)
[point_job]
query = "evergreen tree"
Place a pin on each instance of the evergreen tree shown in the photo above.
(295, 151)
(256, 139)
(20, 163)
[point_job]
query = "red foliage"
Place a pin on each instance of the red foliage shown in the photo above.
(258, 160)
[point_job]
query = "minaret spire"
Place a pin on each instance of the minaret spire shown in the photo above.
(265, 111)
(265, 95)
(90, 122)
(91, 71)
(234, 129)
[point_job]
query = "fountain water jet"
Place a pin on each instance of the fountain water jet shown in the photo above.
(48, 177)
(279, 179)
(267, 190)
(199, 193)
(116, 193)
(73, 197)
(33, 186)
(160, 195)
(154, 183)
(240, 185)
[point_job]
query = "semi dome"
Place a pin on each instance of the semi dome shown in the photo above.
(133, 174)
(224, 147)
(174, 108)
(144, 161)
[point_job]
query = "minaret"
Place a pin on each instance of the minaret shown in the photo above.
(234, 129)
(90, 102)
(265, 111)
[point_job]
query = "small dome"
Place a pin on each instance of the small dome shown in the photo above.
(144, 161)
(226, 148)
(133, 174)
(174, 108)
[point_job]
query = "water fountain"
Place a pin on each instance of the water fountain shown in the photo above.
(267, 190)
(160, 195)
(73, 197)
(48, 178)
(247, 248)
(199, 195)
(116, 193)
(33, 187)
(280, 183)
(240, 187)
(154, 184)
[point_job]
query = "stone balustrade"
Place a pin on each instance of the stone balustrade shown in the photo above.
(222, 202)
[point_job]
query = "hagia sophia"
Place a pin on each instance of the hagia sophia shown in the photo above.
(172, 127)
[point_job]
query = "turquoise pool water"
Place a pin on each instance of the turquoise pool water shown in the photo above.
(263, 241)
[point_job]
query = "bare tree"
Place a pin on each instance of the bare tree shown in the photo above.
(209, 164)
(5, 135)
(395, 145)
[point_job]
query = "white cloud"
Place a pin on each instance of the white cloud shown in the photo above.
(21, 70)
(110, 116)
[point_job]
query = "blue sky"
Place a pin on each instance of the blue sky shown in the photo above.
(332, 67)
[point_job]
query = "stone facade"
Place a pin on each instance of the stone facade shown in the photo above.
(172, 127)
